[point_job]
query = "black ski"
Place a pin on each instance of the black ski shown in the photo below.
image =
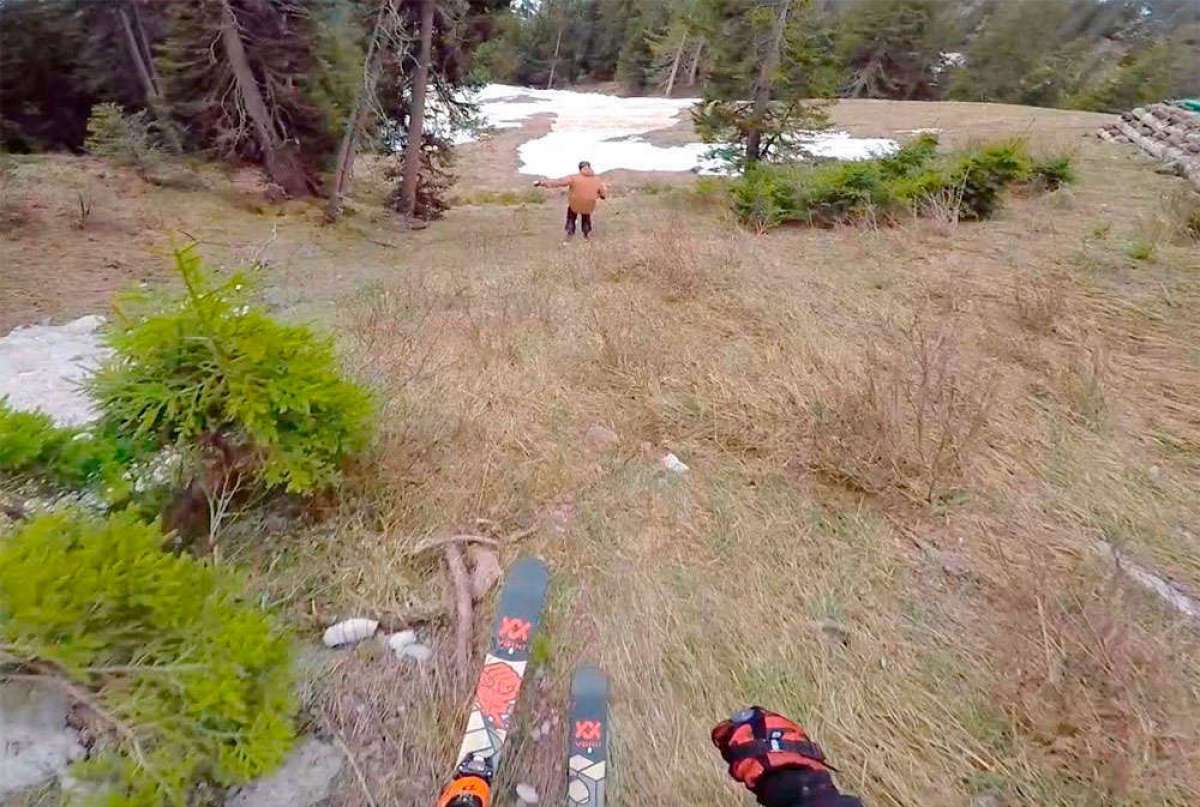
(517, 620)
(587, 739)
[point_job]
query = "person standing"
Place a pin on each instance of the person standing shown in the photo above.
(584, 191)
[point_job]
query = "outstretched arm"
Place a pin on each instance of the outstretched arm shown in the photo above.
(565, 182)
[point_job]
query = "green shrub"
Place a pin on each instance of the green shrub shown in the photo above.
(1191, 224)
(187, 682)
(124, 139)
(762, 198)
(911, 158)
(209, 368)
(983, 173)
(1052, 173)
(30, 444)
(769, 195)
(1140, 249)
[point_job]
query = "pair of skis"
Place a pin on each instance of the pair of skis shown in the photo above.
(496, 694)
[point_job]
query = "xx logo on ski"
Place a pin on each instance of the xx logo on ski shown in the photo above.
(514, 633)
(499, 685)
(587, 732)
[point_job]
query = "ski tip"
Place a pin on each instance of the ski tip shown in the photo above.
(589, 679)
(529, 568)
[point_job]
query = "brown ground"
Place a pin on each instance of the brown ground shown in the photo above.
(905, 445)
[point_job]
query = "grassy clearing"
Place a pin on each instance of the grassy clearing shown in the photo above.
(904, 447)
(905, 443)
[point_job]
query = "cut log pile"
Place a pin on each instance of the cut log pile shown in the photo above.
(1166, 132)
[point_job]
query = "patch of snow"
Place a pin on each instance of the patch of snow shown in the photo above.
(951, 58)
(841, 146)
(607, 131)
(41, 367)
(35, 742)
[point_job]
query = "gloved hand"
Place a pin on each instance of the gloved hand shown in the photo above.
(776, 761)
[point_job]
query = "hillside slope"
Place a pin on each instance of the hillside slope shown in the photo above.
(942, 647)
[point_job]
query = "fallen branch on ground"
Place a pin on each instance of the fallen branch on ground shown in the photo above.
(457, 570)
(434, 543)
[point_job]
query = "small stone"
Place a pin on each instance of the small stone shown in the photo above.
(527, 793)
(600, 437)
(349, 631)
(401, 640)
(988, 799)
(674, 464)
(418, 653)
(1154, 472)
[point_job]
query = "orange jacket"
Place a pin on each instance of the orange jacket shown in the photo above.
(585, 189)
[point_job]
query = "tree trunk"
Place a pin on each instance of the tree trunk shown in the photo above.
(675, 65)
(282, 165)
(762, 84)
(694, 70)
(372, 65)
(144, 42)
(150, 86)
(416, 113)
(554, 61)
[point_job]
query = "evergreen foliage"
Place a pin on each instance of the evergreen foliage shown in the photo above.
(1095, 54)
(125, 139)
(885, 189)
(212, 369)
(185, 682)
(73, 459)
(892, 48)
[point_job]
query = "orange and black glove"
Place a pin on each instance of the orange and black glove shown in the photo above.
(776, 761)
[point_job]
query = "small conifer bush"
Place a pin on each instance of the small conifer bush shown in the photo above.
(183, 681)
(209, 367)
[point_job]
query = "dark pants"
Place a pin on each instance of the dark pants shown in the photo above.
(587, 223)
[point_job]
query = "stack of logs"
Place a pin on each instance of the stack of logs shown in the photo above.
(1166, 132)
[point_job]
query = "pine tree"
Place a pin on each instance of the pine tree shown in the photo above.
(749, 39)
(892, 48)
(246, 97)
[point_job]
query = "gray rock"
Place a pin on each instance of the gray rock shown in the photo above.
(418, 653)
(304, 780)
(989, 798)
(36, 744)
(401, 640)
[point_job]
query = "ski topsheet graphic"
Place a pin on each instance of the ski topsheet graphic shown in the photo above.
(499, 686)
(587, 739)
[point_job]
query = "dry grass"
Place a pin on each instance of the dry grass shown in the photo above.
(1000, 397)
(941, 622)
(907, 421)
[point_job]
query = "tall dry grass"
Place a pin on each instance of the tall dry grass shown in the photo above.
(900, 469)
